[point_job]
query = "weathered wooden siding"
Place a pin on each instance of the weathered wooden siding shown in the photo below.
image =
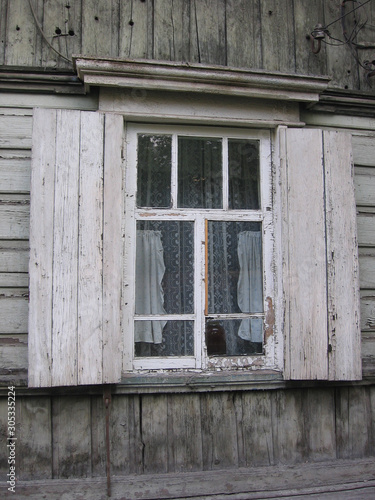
(15, 154)
(261, 34)
(64, 436)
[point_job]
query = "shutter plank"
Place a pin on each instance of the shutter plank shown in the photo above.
(305, 275)
(342, 260)
(90, 301)
(112, 249)
(65, 272)
(41, 245)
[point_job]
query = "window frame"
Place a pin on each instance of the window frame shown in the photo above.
(200, 361)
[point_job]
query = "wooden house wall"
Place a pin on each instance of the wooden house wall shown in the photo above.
(64, 436)
(262, 34)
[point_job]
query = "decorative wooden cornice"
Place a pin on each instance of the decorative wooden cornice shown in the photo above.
(193, 77)
(345, 102)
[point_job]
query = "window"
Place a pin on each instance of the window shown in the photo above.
(198, 246)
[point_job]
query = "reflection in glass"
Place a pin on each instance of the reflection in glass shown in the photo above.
(177, 340)
(154, 171)
(199, 172)
(243, 165)
(222, 338)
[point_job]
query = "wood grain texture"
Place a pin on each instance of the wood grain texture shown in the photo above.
(366, 228)
(208, 37)
(278, 43)
(363, 150)
(364, 181)
(90, 250)
(65, 249)
(62, 25)
(112, 248)
(14, 171)
(14, 310)
(342, 259)
(34, 437)
(135, 37)
(184, 433)
(154, 433)
(14, 256)
(100, 27)
(71, 444)
(127, 442)
(306, 273)
(243, 22)
(23, 41)
(41, 249)
(219, 435)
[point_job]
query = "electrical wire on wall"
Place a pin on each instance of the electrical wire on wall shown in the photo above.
(44, 36)
(321, 34)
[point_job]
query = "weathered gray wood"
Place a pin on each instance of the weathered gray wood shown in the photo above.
(364, 179)
(23, 40)
(368, 355)
(41, 245)
(155, 433)
(65, 249)
(367, 268)
(243, 32)
(364, 150)
(134, 39)
(100, 27)
(14, 256)
(330, 480)
(207, 37)
(98, 436)
(14, 280)
(90, 251)
(14, 171)
(257, 428)
(13, 354)
(305, 278)
(13, 310)
(171, 30)
(64, 16)
(353, 420)
(289, 444)
(34, 438)
(366, 229)
(342, 259)
(112, 248)
(127, 442)
(15, 129)
(306, 15)
(3, 28)
(71, 437)
(14, 219)
(319, 425)
(278, 43)
(368, 310)
(340, 61)
(184, 433)
(219, 437)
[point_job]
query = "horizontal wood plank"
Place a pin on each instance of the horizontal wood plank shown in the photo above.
(14, 256)
(364, 183)
(13, 314)
(364, 150)
(366, 229)
(15, 169)
(15, 131)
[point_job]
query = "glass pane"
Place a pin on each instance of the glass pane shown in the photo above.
(243, 164)
(165, 267)
(199, 172)
(223, 338)
(235, 282)
(177, 338)
(154, 171)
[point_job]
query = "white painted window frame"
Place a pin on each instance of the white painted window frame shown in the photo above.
(200, 361)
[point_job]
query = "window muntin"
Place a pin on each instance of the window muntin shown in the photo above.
(218, 162)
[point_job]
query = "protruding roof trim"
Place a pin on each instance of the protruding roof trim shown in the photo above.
(194, 77)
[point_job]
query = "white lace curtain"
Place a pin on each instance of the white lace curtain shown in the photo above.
(150, 269)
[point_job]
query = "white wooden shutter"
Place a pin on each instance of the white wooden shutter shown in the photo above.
(320, 257)
(75, 249)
